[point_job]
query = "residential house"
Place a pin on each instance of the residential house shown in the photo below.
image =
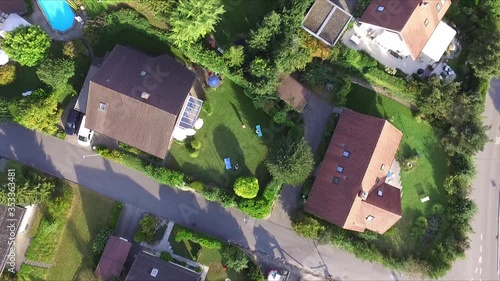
(326, 21)
(147, 267)
(293, 92)
(113, 258)
(351, 188)
(141, 100)
(10, 223)
(409, 27)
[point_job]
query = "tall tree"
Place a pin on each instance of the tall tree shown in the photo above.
(193, 19)
(56, 73)
(27, 45)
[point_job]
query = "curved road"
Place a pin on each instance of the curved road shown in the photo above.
(64, 160)
(481, 261)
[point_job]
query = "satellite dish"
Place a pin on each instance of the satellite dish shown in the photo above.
(198, 124)
(189, 132)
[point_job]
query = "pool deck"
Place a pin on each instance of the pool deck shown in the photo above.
(38, 18)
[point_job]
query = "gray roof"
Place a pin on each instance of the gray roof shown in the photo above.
(8, 217)
(146, 124)
(166, 271)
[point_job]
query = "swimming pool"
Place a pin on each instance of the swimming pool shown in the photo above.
(58, 13)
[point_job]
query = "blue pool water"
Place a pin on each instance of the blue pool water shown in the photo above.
(58, 13)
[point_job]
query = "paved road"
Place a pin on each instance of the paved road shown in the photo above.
(481, 261)
(121, 183)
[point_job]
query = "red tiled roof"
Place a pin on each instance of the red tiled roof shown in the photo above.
(113, 258)
(12, 6)
(371, 143)
(407, 17)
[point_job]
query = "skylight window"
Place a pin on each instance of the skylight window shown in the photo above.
(443, 1)
(382, 167)
(336, 180)
(346, 153)
(426, 22)
(379, 193)
(102, 106)
(369, 218)
(380, 8)
(340, 169)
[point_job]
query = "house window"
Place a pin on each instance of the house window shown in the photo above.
(102, 106)
(377, 180)
(340, 169)
(438, 7)
(426, 22)
(346, 153)
(369, 218)
(443, 1)
(336, 180)
(380, 8)
(382, 167)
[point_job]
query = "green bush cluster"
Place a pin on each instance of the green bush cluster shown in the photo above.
(7, 74)
(197, 237)
(100, 241)
(166, 256)
(165, 176)
(246, 187)
(146, 230)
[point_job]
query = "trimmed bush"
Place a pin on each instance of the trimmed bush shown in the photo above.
(197, 237)
(272, 190)
(280, 117)
(194, 154)
(165, 256)
(197, 186)
(207, 107)
(7, 74)
(246, 187)
(165, 176)
(258, 207)
(196, 144)
(147, 229)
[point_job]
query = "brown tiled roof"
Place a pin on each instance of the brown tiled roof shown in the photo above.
(370, 142)
(12, 6)
(293, 93)
(166, 271)
(407, 17)
(146, 124)
(113, 258)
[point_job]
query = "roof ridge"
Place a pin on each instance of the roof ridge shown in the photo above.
(372, 152)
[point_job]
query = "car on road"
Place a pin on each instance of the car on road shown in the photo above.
(72, 122)
(84, 134)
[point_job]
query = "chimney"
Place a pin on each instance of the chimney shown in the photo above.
(143, 73)
(144, 95)
(363, 194)
(379, 193)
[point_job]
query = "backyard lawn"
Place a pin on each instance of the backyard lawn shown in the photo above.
(26, 80)
(240, 17)
(208, 257)
(425, 179)
(69, 250)
(223, 136)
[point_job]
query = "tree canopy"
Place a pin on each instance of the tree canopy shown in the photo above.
(290, 161)
(27, 45)
(56, 73)
(193, 19)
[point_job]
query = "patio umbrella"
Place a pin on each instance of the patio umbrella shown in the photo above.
(179, 134)
(4, 59)
(213, 81)
(198, 124)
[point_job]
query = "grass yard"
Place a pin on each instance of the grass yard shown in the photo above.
(223, 136)
(425, 179)
(208, 257)
(67, 244)
(26, 80)
(240, 17)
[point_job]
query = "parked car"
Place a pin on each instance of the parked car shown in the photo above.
(85, 135)
(72, 122)
(448, 70)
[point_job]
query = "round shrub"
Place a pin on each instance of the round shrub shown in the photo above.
(197, 186)
(280, 117)
(7, 74)
(165, 256)
(196, 144)
(194, 154)
(246, 187)
(27, 45)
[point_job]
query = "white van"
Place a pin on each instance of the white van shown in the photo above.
(84, 134)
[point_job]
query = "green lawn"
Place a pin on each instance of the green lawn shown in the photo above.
(427, 176)
(68, 247)
(208, 257)
(240, 17)
(26, 80)
(222, 136)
